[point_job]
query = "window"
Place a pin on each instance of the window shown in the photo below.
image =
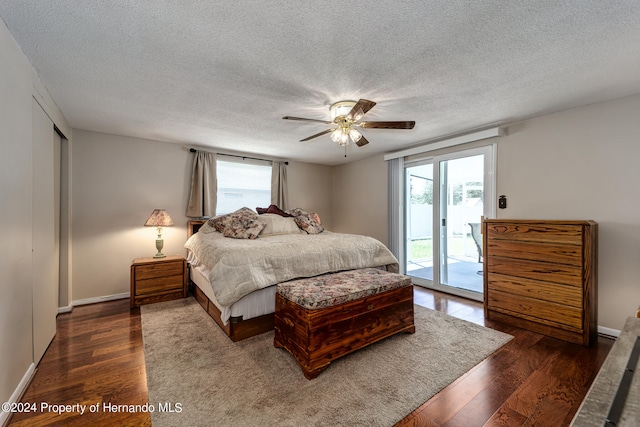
(243, 183)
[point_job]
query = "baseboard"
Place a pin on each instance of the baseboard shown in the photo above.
(86, 301)
(608, 332)
(66, 309)
(96, 300)
(17, 394)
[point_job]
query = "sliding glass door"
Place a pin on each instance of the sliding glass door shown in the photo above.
(446, 197)
(419, 220)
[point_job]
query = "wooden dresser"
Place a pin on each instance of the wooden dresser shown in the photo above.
(542, 276)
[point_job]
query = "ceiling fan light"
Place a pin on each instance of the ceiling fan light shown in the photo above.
(344, 137)
(355, 135)
(336, 135)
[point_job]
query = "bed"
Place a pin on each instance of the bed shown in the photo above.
(234, 279)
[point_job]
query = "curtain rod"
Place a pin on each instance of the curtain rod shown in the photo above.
(193, 150)
(448, 142)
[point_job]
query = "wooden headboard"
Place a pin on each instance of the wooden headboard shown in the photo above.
(194, 225)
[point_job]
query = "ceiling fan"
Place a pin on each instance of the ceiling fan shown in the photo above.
(346, 115)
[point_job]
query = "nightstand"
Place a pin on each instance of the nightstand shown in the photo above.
(158, 279)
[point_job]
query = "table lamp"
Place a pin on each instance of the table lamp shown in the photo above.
(159, 218)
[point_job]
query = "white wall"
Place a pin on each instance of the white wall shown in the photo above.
(360, 198)
(19, 85)
(310, 189)
(118, 181)
(15, 215)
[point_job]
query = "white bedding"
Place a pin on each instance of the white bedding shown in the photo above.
(237, 267)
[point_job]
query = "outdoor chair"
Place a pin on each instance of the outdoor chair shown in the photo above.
(477, 238)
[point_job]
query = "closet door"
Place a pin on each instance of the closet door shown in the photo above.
(45, 253)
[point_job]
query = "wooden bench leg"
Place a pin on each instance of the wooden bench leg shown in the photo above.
(276, 339)
(311, 374)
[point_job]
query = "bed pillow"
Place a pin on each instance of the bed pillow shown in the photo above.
(241, 224)
(306, 221)
(222, 221)
(276, 224)
(207, 228)
(315, 217)
(272, 209)
(244, 229)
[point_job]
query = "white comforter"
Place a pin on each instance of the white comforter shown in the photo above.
(237, 267)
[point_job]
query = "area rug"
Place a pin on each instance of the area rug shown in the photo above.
(197, 377)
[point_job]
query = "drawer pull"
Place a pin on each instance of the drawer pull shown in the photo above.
(288, 322)
(370, 307)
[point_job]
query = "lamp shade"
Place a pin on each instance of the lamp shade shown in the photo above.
(159, 218)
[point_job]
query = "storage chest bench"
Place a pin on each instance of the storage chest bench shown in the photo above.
(320, 319)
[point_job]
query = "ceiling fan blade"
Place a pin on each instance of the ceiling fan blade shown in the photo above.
(362, 141)
(387, 125)
(360, 109)
(306, 120)
(317, 135)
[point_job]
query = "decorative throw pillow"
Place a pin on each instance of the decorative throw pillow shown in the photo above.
(295, 212)
(315, 217)
(277, 224)
(207, 228)
(243, 228)
(308, 224)
(241, 224)
(272, 209)
(222, 221)
(307, 221)
(215, 220)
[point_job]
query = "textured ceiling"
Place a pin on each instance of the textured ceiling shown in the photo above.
(222, 74)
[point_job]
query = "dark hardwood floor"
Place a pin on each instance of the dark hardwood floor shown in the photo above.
(97, 357)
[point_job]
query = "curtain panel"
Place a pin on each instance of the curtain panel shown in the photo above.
(204, 186)
(396, 209)
(279, 192)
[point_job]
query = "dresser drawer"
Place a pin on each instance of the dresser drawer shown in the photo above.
(532, 232)
(161, 284)
(536, 310)
(160, 269)
(536, 270)
(536, 251)
(551, 292)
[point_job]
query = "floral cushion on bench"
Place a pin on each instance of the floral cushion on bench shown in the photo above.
(337, 288)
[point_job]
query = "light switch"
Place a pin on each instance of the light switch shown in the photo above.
(502, 202)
